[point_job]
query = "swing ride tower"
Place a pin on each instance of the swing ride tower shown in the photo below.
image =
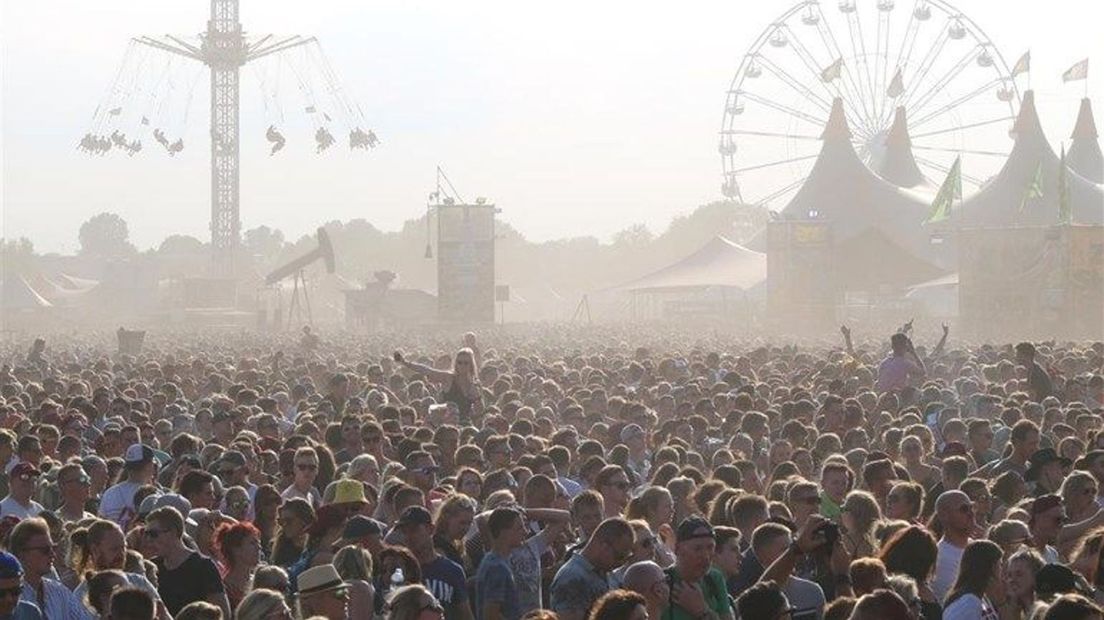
(225, 50)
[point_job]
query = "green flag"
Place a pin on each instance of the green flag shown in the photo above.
(1034, 189)
(1065, 216)
(948, 192)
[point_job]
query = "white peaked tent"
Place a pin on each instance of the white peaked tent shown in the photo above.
(719, 262)
(17, 295)
(1083, 156)
(897, 165)
(1001, 202)
(876, 227)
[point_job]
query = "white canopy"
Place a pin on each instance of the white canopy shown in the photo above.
(719, 262)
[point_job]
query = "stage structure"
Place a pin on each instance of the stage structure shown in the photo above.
(886, 60)
(800, 283)
(133, 108)
(1034, 281)
(465, 254)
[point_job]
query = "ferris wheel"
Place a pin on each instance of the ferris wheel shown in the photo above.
(959, 95)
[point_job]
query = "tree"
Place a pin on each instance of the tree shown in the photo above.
(16, 255)
(180, 245)
(105, 235)
(265, 242)
(636, 235)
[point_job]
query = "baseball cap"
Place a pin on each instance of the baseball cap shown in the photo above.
(1059, 579)
(23, 468)
(138, 454)
(233, 458)
(693, 527)
(414, 515)
(10, 567)
(361, 526)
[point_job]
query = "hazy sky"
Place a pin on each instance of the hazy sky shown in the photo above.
(575, 117)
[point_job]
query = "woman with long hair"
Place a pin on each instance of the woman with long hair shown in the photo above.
(266, 507)
(859, 516)
(656, 506)
(913, 551)
(1019, 578)
(978, 588)
(454, 518)
(1087, 558)
(295, 516)
(239, 551)
(354, 564)
(461, 384)
(1078, 492)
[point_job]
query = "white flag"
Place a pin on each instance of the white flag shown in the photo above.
(1023, 65)
(833, 71)
(896, 86)
(1080, 71)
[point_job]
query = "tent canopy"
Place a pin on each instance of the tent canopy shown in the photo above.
(17, 294)
(1084, 156)
(719, 262)
(897, 165)
(1004, 200)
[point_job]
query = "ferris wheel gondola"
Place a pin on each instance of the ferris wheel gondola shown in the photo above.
(876, 55)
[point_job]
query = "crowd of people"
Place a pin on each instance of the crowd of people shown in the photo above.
(568, 473)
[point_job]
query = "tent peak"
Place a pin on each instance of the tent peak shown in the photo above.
(1027, 122)
(898, 132)
(836, 128)
(1085, 127)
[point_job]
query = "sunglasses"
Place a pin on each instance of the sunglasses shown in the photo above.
(46, 549)
(429, 469)
(153, 534)
(85, 479)
(812, 499)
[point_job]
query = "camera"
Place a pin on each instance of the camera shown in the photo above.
(830, 533)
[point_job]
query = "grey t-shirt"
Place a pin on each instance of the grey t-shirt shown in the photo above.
(576, 586)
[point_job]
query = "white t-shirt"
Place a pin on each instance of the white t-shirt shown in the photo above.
(9, 506)
(314, 497)
(117, 503)
(970, 607)
(946, 568)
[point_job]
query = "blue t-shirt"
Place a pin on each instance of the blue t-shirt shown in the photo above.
(446, 580)
(494, 582)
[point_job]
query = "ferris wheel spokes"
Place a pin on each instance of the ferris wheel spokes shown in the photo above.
(847, 72)
(947, 107)
(810, 63)
(795, 84)
(962, 127)
(819, 122)
(916, 105)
